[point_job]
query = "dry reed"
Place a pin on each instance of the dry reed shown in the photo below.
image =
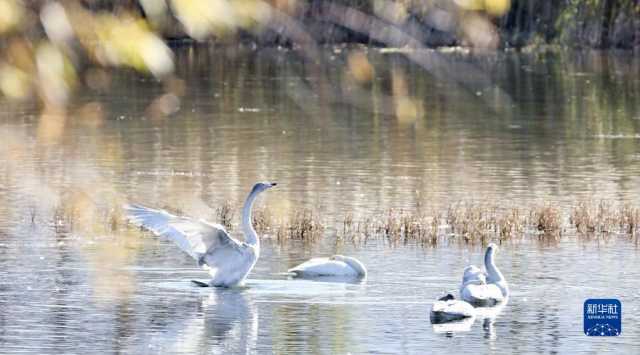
(548, 220)
(629, 219)
(472, 223)
(463, 222)
(225, 214)
(78, 211)
(302, 225)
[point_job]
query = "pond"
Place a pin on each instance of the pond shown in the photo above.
(512, 128)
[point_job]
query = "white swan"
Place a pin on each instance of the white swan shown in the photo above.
(481, 288)
(447, 309)
(337, 265)
(227, 260)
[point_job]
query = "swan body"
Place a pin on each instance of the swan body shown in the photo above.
(447, 309)
(227, 260)
(484, 289)
(481, 295)
(337, 265)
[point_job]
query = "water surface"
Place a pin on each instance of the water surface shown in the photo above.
(522, 128)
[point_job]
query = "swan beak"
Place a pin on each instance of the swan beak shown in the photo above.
(273, 184)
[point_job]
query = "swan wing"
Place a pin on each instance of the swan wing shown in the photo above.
(208, 243)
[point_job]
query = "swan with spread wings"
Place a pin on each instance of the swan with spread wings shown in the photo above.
(228, 260)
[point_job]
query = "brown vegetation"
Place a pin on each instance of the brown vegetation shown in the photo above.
(225, 213)
(463, 222)
(548, 220)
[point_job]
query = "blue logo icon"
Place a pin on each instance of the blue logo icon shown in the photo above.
(602, 317)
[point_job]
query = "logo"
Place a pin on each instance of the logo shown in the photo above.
(602, 317)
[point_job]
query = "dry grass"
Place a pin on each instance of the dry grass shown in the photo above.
(477, 223)
(225, 214)
(509, 225)
(395, 226)
(303, 225)
(472, 222)
(602, 218)
(629, 220)
(262, 220)
(347, 224)
(78, 211)
(548, 220)
(461, 222)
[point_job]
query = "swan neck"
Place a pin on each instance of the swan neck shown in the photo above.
(250, 235)
(493, 273)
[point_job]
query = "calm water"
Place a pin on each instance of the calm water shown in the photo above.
(518, 128)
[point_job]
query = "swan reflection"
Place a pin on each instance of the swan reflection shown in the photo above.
(488, 316)
(485, 315)
(220, 322)
(458, 326)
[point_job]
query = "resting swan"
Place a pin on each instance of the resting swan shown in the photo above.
(228, 260)
(481, 288)
(337, 265)
(447, 309)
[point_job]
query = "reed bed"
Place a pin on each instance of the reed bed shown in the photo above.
(547, 220)
(304, 225)
(225, 214)
(460, 222)
(479, 222)
(629, 219)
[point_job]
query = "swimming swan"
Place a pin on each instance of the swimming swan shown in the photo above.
(227, 260)
(337, 265)
(481, 288)
(447, 309)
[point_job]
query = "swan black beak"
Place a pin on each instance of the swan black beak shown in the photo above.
(274, 184)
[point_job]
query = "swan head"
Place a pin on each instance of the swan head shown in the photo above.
(447, 297)
(492, 249)
(262, 186)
